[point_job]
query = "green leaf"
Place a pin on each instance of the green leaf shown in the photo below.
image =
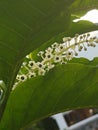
(81, 27)
(80, 7)
(66, 87)
(24, 26)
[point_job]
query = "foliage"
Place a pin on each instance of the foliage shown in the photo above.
(32, 25)
(36, 126)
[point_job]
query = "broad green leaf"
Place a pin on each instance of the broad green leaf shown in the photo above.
(80, 7)
(81, 27)
(25, 25)
(85, 61)
(66, 87)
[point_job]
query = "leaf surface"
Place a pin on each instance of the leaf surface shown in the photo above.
(66, 87)
(80, 7)
(25, 25)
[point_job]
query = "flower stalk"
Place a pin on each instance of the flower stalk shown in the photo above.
(57, 53)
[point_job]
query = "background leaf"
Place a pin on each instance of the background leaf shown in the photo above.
(80, 7)
(25, 25)
(66, 87)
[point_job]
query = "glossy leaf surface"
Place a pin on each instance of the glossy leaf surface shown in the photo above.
(66, 87)
(25, 25)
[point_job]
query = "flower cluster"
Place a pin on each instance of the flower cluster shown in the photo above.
(57, 53)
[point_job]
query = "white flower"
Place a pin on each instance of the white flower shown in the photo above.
(49, 50)
(54, 45)
(23, 77)
(31, 63)
(61, 47)
(57, 50)
(88, 34)
(18, 77)
(85, 49)
(40, 65)
(77, 35)
(76, 40)
(41, 72)
(48, 56)
(41, 53)
(92, 44)
(81, 37)
(80, 48)
(65, 39)
(24, 63)
(69, 55)
(27, 56)
(31, 74)
(75, 53)
(57, 58)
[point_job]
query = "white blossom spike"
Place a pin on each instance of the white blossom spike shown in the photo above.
(57, 53)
